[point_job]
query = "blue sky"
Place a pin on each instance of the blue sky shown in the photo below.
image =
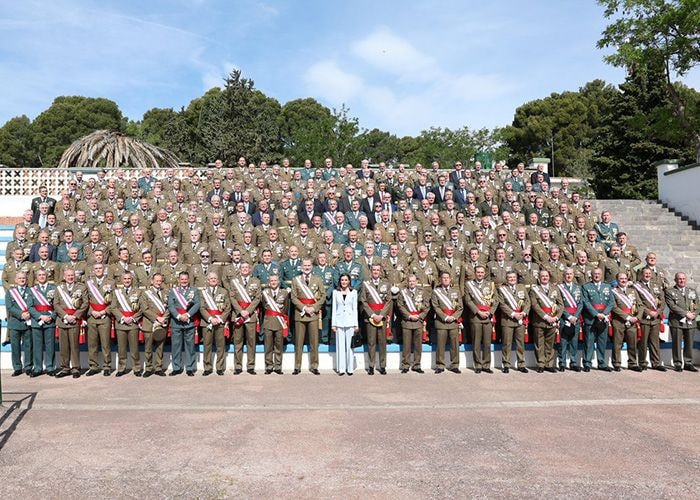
(400, 66)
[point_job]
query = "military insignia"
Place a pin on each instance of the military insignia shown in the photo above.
(692, 295)
(50, 294)
(521, 294)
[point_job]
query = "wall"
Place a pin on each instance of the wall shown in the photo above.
(679, 187)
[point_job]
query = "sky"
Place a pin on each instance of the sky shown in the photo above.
(400, 66)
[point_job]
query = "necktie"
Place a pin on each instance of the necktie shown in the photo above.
(306, 279)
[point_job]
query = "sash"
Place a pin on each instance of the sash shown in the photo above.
(628, 309)
(572, 307)
(273, 309)
(101, 304)
(448, 308)
(245, 297)
(156, 301)
(651, 300)
(44, 304)
(331, 218)
(376, 298)
(305, 290)
(18, 298)
(213, 310)
(414, 310)
(477, 293)
(66, 298)
(123, 302)
(548, 304)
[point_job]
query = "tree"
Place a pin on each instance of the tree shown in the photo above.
(376, 145)
(664, 32)
(637, 128)
(306, 129)
(17, 144)
(69, 118)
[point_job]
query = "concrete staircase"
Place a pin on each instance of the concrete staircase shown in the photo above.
(651, 227)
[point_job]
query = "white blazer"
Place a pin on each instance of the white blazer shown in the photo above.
(344, 311)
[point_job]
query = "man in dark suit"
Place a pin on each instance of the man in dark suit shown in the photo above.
(42, 198)
(421, 190)
(369, 202)
(307, 211)
(540, 170)
(43, 242)
(456, 174)
(460, 193)
(441, 189)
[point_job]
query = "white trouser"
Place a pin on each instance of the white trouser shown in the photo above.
(345, 359)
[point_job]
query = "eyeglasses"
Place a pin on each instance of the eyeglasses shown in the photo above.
(204, 256)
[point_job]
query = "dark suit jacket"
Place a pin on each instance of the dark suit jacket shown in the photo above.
(438, 197)
(35, 206)
(257, 218)
(460, 199)
(34, 252)
(417, 193)
(367, 204)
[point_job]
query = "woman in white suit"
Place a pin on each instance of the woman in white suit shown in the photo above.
(344, 324)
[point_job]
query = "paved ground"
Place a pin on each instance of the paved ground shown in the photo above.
(453, 436)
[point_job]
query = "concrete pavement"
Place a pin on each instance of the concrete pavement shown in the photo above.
(618, 435)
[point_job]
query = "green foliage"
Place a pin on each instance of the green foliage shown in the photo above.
(70, 118)
(663, 33)
(17, 143)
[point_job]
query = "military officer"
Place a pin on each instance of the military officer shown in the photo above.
(625, 322)
(266, 268)
(616, 263)
(329, 276)
(183, 305)
(275, 301)
(547, 308)
(446, 302)
(481, 301)
(652, 304)
(127, 315)
(308, 298)
(70, 304)
(682, 303)
(376, 305)
(413, 305)
(19, 324)
(245, 299)
(290, 268)
(99, 320)
(215, 312)
(598, 301)
(513, 313)
(570, 321)
(155, 317)
(43, 324)
(352, 268)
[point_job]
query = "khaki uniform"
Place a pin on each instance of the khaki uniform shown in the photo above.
(69, 333)
(481, 328)
(376, 335)
(680, 302)
(275, 326)
(99, 329)
(127, 334)
(510, 327)
(307, 324)
(651, 300)
(447, 302)
(247, 332)
(154, 331)
(545, 333)
(412, 330)
(214, 334)
(623, 329)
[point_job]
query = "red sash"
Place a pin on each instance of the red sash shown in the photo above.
(627, 310)
(307, 302)
(601, 308)
(526, 322)
(195, 320)
(451, 312)
(216, 312)
(285, 330)
(71, 312)
(379, 307)
(487, 308)
(98, 307)
(548, 310)
(41, 308)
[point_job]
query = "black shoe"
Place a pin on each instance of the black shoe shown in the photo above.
(660, 368)
(439, 370)
(562, 368)
(370, 370)
(106, 373)
(505, 369)
(137, 374)
(251, 371)
(220, 372)
(604, 368)
(551, 369)
(160, 373)
(636, 369)
(51, 373)
(91, 372)
(147, 374)
(690, 368)
(315, 371)
(296, 371)
(455, 370)
(417, 370)
(575, 368)
(644, 368)
(268, 371)
(349, 374)
(404, 370)
(121, 373)
(477, 370)
(540, 369)
(677, 369)
(206, 373)
(34, 374)
(237, 371)
(17, 373)
(279, 371)
(382, 371)
(586, 369)
(58, 375)
(5, 342)
(190, 373)
(487, 370)
(617, 369)
(522, 369)
(76, 375)
(175, 373)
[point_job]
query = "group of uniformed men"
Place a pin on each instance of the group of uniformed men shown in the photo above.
(461, 256)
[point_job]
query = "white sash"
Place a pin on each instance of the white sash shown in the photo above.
(40, 296)
(209, 301)
(409, 302)
(18, 298)
(330, 218)
(245, 297)
(629, 303)
(304, 288)
(444, 299)
(647, 295)
(123, 300)
(543, 297)
(93, 289)
(180, 298)
(65, 296)
(376, 298)
(477, 293)
(509, 297)
(156, 301)
(567, 295)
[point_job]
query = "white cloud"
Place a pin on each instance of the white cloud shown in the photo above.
(214, 76)
(407, 90)
(327, 80)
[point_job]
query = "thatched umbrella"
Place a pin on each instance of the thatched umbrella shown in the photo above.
(110, 149)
